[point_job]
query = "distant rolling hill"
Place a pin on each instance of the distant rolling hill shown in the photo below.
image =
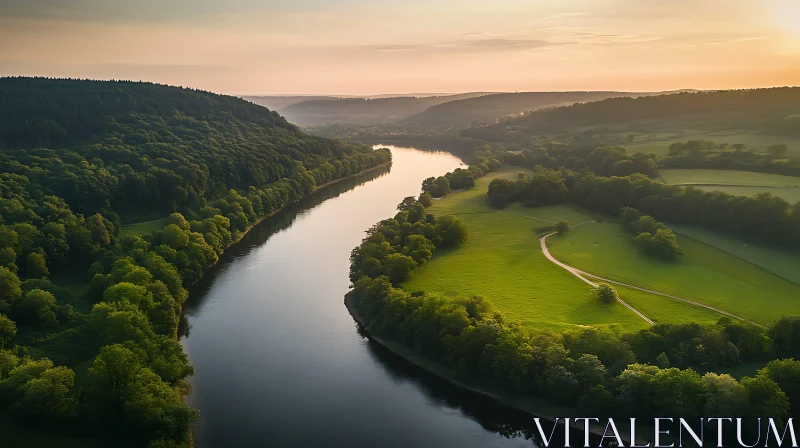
(279, 102)
(488, 108)
(756, 119)
(331, 110)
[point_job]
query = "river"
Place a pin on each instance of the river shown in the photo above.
(278, 360)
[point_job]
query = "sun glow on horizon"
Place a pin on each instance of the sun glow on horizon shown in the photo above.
(362, 47)
(787, 16)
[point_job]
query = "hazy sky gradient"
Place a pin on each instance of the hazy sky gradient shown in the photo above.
(382, 46)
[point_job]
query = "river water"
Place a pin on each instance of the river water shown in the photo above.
(278, 360)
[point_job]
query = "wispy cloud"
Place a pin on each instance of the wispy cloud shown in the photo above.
(715, 42)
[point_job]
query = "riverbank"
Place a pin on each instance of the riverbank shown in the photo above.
(317, 188)
(534, 406)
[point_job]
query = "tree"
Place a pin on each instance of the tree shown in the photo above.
(461, 178)
(113, 369)
(628, 215)
(398, 267)
(425, 199)
(786, 373)
(135, 294)
(589, 371)
(436, 187)
(779, 151)
(562, 227)
(178, 220)
(501, 192)
(662, 360)
(175, 237)
(419, 248)
(605, 293)
(8, 329)
(36, 266)
(561, 385)
(407, 204)
(38, 308)
(99, 229)
(765, 398)
(452, 231)
(724, 395)
(10, 289)
(49, 395)
(663, 244)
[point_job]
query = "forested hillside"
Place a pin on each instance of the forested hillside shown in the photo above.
(108, 145)
(488, 108)
(771, 110)
(363, 110)
(89, 319)
(277, 103)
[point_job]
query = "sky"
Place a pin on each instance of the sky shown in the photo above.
(366, 47)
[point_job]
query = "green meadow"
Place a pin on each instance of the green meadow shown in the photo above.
(503, 262)
(658, 142)
(781, 263)
(740, 183)
(143, 228)
(703, 274)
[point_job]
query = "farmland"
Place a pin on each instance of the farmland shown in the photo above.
(658, 141)
(739, 183)
(502, 262)
(703, 274)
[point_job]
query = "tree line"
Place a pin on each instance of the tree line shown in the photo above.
(702, 154)
(761, 218)
(460, 178)
(749, 108)
(394, 247)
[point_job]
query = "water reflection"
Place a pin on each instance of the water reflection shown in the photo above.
(259, 235)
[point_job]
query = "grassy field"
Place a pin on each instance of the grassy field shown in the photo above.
(143, 228)
(502, 261)
(704, 274)
(781, 263)
(658, 142)
(741, 183)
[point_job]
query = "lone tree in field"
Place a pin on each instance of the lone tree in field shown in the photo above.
(562, 227)
(605, 293)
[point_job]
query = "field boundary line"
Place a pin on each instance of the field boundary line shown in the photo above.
(582, 275)
(737, 257)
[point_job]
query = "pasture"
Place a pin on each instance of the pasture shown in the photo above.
(658, 142)
(781, 263)
(739, 183)
(703, 274)
(502, 262)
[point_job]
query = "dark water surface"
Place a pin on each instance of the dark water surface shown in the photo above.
(280, 363)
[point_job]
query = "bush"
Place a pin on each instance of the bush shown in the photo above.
(562, 227)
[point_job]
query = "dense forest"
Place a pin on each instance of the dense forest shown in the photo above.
(89, 319)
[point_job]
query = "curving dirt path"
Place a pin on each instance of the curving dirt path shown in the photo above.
(583, 276)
